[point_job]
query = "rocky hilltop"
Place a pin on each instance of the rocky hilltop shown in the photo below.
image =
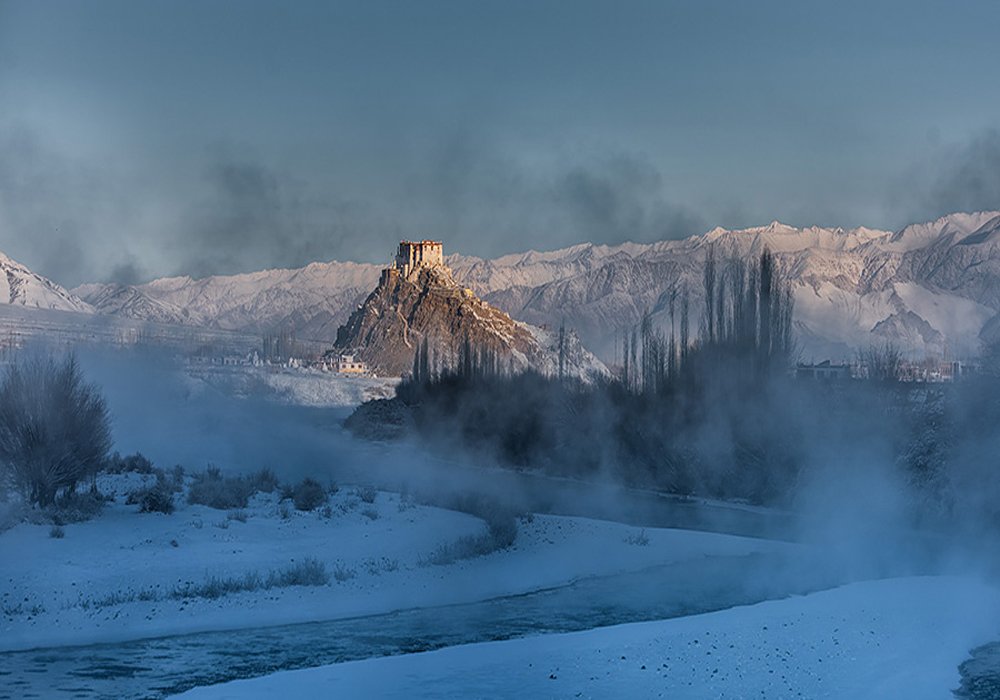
(416, 301)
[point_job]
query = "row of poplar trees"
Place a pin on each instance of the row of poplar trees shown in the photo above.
(746, 328)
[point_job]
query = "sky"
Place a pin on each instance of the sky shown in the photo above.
(147, 138)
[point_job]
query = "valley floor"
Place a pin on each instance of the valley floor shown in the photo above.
(109, 579)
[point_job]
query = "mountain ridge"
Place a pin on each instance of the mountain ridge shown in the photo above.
(848, 284)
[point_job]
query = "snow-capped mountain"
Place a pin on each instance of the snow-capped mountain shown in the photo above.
(312, 301)
(933, 288)
(132, 302)
(20, 286)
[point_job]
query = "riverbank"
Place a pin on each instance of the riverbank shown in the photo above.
(117, 577)
(898, 638)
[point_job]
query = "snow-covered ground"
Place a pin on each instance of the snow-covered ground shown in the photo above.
(894, 638)
(108, 578)
(294, 385)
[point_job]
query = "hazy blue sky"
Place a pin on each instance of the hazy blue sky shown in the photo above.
(146, 138)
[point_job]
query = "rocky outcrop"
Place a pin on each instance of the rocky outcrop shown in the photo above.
(430, 305)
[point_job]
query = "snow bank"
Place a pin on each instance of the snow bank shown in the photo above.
(51, 587)
(895, 638)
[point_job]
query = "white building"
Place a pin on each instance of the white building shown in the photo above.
(350, 365)
(414, 254)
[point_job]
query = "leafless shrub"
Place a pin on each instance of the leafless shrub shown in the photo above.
(54, 428)
(137, 463)
(308, 495)
(883, 363)
(75, 507)
(366, 493)
(210, 488)
(343, 573)
(264, 481)
(177, 475)
(308, 572)
(155, 499)
(640, 539)
(375, 567)
(501, 523)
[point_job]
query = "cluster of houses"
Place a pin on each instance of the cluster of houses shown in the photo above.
(344, 364)
(926, 371)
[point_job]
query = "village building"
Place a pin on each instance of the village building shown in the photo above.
(825, 371)
(350, 365)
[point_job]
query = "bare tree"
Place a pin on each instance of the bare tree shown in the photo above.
(709, 281)
(990, 357)
(54, 428)
(562, 349)
(883, 363)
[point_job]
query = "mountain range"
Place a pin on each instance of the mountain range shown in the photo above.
(932, 288)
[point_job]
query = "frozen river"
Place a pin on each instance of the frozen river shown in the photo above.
(156, 667)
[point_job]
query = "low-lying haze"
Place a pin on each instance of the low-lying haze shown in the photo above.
(177, 138)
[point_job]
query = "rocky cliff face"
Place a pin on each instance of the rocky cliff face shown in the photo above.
(395, 319)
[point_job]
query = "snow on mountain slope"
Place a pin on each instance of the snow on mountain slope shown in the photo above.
(312, 301)
(931, 287)
(22, 287)
(916, 236)
(130, 302)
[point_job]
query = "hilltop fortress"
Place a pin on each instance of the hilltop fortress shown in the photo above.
(413, 255)
(418, 303)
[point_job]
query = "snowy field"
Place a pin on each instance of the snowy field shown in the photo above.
(296, 386)
(895, 638)
(108, 579)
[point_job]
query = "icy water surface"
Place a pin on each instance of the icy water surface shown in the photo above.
(154, 668)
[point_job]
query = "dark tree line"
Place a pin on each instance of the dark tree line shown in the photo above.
(746, 330)
(716, 411)
(650, 423)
